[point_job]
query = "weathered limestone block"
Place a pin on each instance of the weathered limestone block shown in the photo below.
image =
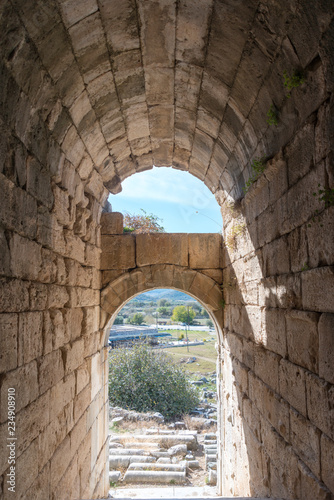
(112, 223)
(18, 209)
(161, 249)
(205, 251)
(118, 252)
(24, 380)
(30, 339)
(50, 370)
(32, 419)
(320, 397)
(326, 347)
(327, 458)
(9, 330)
(305, 439)
(302, 339)
(62, 395)
(39, 182)
(309, 486)
(321, 230)
(73, 355)
(318, 289)
(292, 385)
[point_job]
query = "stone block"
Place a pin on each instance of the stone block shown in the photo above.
(38, 294)
(81, 402)
(266, 367)
(30, 338)
(8, 342)
(24, 381)
(26, 471)
(18, 209)
(25, 258)
(320, 404)
(62, 394)
(298, 248)
(57, 296)
(321, 229)
(118, 252)
(305, 439)
(297, 206)
(318, 289)
(292, 385)
(60, 461)
(273, 321)
(310, 486)
(299, 153)
(40, 487)
(205, 251)
(5, 255)
(326, 347)
(302, 339)
(50, 370)
(112, 223)
(288, 291)
(161, 249)
(31, 420)
(276, 258)
(327, 460)
(73, 354)
(39, 182)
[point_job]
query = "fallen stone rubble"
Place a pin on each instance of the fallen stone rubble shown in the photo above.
(159, 457)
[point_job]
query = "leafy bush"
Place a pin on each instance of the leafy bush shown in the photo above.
(144, 379)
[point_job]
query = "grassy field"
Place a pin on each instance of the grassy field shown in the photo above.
(206, 357)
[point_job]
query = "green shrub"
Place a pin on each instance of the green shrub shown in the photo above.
(145, 379)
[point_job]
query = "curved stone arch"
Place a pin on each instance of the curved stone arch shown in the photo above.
(196, 284)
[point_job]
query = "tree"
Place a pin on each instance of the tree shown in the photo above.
(137, 319)
(164, 311)
(163, 303)
(142, 223)
(145, 379)
(180, 314)
(119, 320)
(204, 313)
(209, 323)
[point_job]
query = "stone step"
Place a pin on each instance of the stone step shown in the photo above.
(117, 461)
(190, 464)
(149, 477)
(114, 476)
(157, 466)
(127, 451)
(166, 441)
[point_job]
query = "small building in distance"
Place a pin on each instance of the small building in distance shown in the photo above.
(120, 336)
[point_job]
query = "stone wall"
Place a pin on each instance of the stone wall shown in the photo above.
(51, 350)
(135, 263)
(278, 349)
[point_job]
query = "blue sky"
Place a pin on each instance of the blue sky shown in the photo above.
(174, 196)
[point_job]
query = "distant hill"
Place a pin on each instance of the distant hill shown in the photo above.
(169, 294)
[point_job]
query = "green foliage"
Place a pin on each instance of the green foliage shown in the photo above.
(142, 223)
(119, 320)
(272, 116)
(145, 379)
(164, 311)
(181, 314)
(137, 319)
(237, 229)
(293, 81)
(258, 166)
(325, 195)
(209, 323)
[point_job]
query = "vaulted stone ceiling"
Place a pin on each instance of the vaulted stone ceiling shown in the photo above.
(128, 84)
